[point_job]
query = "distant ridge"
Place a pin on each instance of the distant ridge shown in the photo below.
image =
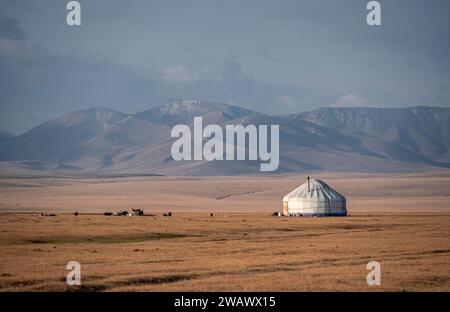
(422, 129)
(178, 111)
(105, 141)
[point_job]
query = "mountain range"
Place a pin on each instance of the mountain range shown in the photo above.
(106, 141)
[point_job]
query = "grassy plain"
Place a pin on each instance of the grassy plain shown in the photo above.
(400, 220)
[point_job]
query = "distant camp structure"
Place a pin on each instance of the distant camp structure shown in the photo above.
(314, 198)
(137, 212)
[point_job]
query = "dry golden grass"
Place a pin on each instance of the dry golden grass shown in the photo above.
(366, 193)
(194, 251)
(401, 221)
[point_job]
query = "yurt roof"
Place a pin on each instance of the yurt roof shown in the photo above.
(318, 190)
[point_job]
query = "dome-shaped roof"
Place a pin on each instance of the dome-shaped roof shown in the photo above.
(317, 190)
(314, 198)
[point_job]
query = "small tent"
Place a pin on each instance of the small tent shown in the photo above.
(314, 198)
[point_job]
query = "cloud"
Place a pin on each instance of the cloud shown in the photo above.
(10, 29)
(9, 47)
(351, 100)
(12, 37)
(37, 85)
(276, 62)
(178, 73)
(287, 99)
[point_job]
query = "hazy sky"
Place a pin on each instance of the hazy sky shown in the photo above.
(276, 56)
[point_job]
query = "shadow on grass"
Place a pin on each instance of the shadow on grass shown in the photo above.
(106, 240)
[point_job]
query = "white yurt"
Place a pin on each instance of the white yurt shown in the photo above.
(314, 198)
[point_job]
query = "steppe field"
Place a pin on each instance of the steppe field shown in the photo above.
(400, 220)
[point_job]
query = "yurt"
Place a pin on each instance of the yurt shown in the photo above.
(314, 198)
